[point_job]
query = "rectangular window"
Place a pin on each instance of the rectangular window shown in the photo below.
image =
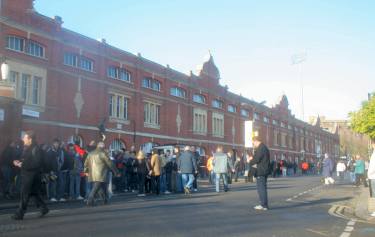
(275, 138)
(87, 64)
(25, 87)
(124, 75)
(151, 115)
(217, 125)
(36, 90)
(266, 119)
(200, 121)
(16, 43)
(147, 82)
(71, 59)
(232, 109)
(36, 49)
(256, 116)
(112, 72)
(118, 106)
(156, 85)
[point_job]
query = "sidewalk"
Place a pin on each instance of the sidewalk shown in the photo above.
(364, 205)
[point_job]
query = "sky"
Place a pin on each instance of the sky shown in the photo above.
(252, 43)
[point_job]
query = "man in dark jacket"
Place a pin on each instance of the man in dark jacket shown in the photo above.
(31, 165)
(261, 161)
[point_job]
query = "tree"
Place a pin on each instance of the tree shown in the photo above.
(363, 121)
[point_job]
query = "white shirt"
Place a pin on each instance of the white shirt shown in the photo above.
(340, 167)
(371, 168)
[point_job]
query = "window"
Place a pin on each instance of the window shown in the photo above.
(283, 139)
(266, 120)
(179, 92)
(87, 64)
(118, 73)
(275, 122)
(217, 125)
(232, 108)
(36, 49)
(217, 104)
(256, 116)
(71, 59)
(151, 115)
(197, 98)
(200, 121)
(118, 106)
(282, 124)
(245, 113)
(116, 146)
(16, 43)
(275, 138)
(151, 84)
(290, 127)
(30, 88)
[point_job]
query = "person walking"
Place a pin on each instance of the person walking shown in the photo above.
(261, 160)
(359, 171)
(340, 169)
(186, 166)
(221, 162)
(31, 165)
(328, 167)
(96, 168)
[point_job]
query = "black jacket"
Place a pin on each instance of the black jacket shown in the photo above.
(32, 160)
(262, 160)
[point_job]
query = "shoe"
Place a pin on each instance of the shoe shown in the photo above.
(43, 212)
(141, 195)
(53, 200)
(80, 198)
(187, 190)
(260, 208)
(226, 189)
(167, 192)
(62, 200)
(195, 190)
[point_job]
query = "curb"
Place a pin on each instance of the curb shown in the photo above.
(362, 204)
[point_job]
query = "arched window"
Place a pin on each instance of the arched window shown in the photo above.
(147, 147)
(116, 146)
(74, 138)
(197, 98)
(179, 92)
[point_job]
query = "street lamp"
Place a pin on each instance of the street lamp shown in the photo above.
(4, 71)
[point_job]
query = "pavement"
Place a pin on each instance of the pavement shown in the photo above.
(299, 206)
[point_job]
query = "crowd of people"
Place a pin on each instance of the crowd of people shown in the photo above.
(70, 172)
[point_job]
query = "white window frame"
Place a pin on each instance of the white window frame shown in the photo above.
(86, 64)
(71, 59)
(199, 98)
(218, 104)
(199, 121)
(232, 109)
(118, 106)
(16, 43)
(178, 92)
(35, 49)
(151, 114)
(245, 113)
(217, 125)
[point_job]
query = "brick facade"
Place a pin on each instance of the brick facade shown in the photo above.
(75, 101)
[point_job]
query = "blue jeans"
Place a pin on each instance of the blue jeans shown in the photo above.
(262, 190)
(179, 182)
(217, 181)
(61, 183)
(163, 182)
(74, 185)
(52, 188)
(187, 180)
(88, 187)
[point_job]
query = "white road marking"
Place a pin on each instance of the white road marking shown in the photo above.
(345, 234)
(349, 229)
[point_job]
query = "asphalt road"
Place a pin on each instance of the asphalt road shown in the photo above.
(298, 207)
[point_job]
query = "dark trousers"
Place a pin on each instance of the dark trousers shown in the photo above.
(141, 182)
(360, 178)
(169, 180)
(155, 182)
(262, 190)
(30, 187)
(195, 183)
(99, 188)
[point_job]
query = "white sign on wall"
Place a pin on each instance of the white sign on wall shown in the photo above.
(248, 134)
(2, 115)
(31, 113)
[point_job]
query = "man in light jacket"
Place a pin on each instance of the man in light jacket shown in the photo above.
(96, 168)
(371, 173)
(220, 164)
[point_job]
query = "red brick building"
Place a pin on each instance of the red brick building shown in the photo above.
(70, 83)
